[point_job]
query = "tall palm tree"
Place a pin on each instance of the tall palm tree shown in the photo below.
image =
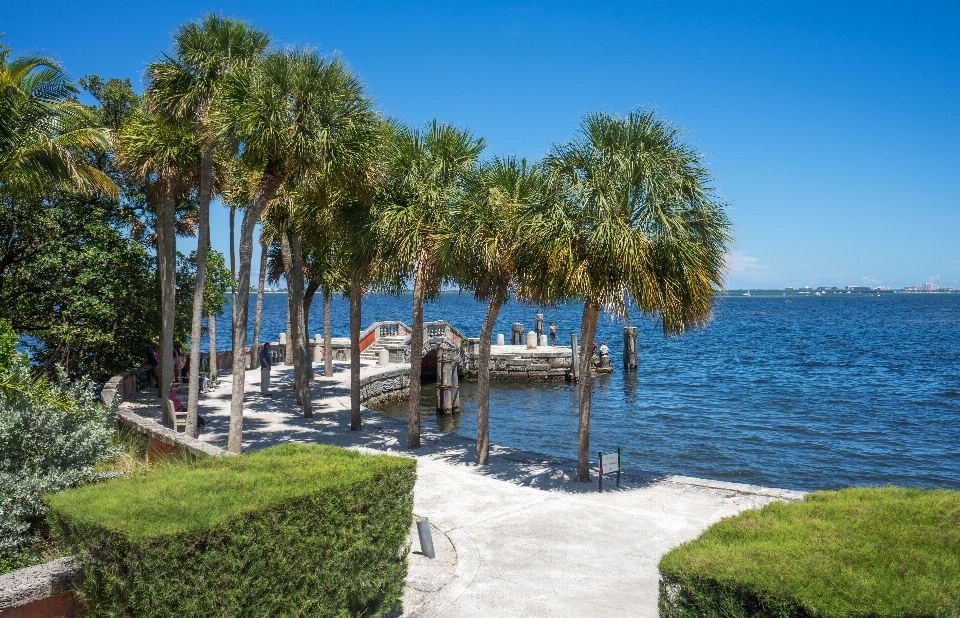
(284, 119)
(44, 131)
(639, 226)
(164, 151)
(427, 168)
(488, 238)
(187, 86)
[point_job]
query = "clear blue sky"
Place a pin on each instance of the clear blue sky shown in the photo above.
(832, 128)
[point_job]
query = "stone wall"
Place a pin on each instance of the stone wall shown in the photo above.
(385, 386)
(518, 363)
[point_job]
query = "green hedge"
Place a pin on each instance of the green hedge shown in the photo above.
(289, 531)
(856, 552)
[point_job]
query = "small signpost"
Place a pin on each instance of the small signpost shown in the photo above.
(609, 463)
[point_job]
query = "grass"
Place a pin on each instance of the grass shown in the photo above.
(175, 499)
(855, 552)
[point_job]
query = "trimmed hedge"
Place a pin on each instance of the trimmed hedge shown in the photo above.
(293, 530)
(856, 552)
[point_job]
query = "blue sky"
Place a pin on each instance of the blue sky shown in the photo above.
(832, 128)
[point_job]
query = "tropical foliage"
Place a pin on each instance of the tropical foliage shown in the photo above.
(52, 436)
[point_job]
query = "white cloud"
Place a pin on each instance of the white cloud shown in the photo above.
(745, 271)
(739, 263)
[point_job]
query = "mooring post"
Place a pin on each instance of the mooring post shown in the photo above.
(575, 359)
(455, 388)
(516, 335)
(499, 338)
(532, 340)
(317, 348)
(539, 325)
(282, 344)
(630, 348)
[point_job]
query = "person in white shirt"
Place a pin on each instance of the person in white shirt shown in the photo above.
(604, 350)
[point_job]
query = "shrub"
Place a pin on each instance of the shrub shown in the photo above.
(8, 344)
(294, 530)
(856, 552)
(45, 446)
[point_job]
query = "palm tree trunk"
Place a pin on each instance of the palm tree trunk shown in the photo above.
(416, 355)
(212, 330)
(299, 325)
(254, 358)
(483, 377)
(196, 324)
(292, 358)
(166, 266)
(308, 295)
(588, 330)
(233, 266)
(266, 189)
(356, 297)
(327, 351)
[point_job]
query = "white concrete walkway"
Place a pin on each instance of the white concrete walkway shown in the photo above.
(517, 537)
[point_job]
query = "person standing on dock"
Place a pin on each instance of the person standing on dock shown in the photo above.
(553, 334)
(265, 364)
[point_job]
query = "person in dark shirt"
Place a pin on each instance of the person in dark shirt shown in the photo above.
(154, 363)
(265, 364)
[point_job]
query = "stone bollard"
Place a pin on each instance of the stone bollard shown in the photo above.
(499, 338)
(282, 343)
(516, 334)
(317, 349)
(384, 359)
(532, 340)
(630, 348)
(543, 340)
(575, 359)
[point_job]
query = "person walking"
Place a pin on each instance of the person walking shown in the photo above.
(154, 363)
(265, 364)
(553, 334)
(178, 362)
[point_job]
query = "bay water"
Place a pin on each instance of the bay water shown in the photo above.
(815, 393)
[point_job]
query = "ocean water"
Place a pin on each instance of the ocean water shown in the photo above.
(821, 392)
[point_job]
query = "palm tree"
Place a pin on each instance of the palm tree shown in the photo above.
(426, 172)
(44, 131)
(156, 147)
(187, 86)
(283, 119)
(487, 236)
(639, 226)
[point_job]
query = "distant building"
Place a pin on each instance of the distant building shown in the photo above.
(859, 288)
(883, 288)
(828, 289)
(929, 287)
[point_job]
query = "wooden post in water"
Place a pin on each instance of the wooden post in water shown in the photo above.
(448, 384)
(455, 388)
(630, 348)
(575, 359)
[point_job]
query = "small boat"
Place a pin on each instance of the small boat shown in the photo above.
(788, 301)
(748, 293)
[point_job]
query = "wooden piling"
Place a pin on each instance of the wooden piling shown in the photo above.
(630, 348)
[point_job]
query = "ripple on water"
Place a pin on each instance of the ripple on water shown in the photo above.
(819, 393)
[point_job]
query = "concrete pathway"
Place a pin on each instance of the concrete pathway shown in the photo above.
(517, 537)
